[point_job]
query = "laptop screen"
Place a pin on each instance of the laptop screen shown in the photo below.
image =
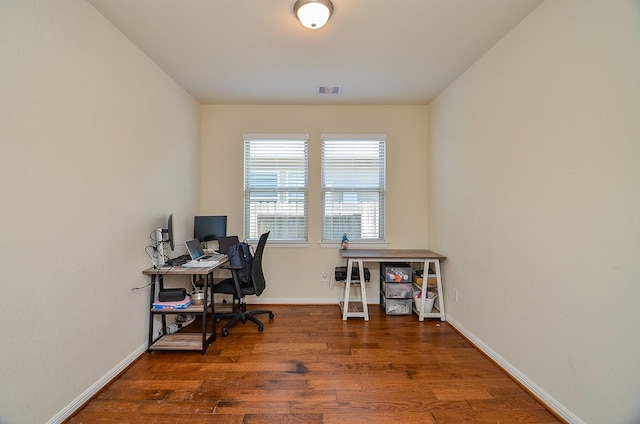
(195, 249)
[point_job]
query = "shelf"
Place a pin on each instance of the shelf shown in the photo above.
(435, 311)
(191, 309)
(196, 341)
(353, 307)
(429, 314)
(180, 341)
(430, 285)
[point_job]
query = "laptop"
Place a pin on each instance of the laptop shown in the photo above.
(198, 258)
(195, 250)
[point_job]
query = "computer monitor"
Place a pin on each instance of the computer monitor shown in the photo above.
(208, 228)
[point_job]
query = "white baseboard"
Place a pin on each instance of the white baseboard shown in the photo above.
(253, 300)
(96, 387)
(301, 301)
(543, 396)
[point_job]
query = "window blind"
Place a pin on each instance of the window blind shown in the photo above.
(353, 187)
(275, 186)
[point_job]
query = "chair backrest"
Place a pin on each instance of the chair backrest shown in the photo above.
(257, 277)
(224, 243)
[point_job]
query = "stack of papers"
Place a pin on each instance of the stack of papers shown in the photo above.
(179, 304)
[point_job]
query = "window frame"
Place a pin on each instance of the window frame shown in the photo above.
(284, 190)
(355, 191)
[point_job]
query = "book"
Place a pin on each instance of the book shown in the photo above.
(179, 304)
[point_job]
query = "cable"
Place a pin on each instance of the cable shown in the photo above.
(142, 287)
(152, 253)
(162, 271)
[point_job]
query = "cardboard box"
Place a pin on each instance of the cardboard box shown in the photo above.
(418, 279)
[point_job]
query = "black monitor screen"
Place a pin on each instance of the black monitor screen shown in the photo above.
(208, 228)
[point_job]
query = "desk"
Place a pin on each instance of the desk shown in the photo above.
(182, 341)
(359, 256)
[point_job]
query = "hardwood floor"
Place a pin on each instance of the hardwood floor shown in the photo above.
(309, 366)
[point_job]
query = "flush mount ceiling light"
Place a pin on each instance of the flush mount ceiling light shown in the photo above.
(313, 13)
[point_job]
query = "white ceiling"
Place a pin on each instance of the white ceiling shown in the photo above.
(256, 51)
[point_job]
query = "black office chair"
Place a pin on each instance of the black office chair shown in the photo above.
(225, 243)
(255, 286)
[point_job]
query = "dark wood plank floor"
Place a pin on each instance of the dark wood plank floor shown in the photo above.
(309, 366)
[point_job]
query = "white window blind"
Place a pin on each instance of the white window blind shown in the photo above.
(275, 186)
(353, 187)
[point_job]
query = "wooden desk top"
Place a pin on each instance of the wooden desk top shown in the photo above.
(382, 254)
(179, 270)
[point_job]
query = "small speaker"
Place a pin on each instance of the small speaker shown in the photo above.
(172, 295)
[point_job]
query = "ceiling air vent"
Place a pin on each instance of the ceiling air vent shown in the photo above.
(328, 90)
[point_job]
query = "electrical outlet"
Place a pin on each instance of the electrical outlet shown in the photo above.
(455, 294)
(325, 277)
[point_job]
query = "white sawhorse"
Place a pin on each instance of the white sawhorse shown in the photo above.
(351, 308)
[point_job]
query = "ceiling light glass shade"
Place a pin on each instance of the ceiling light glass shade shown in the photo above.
(313, 13)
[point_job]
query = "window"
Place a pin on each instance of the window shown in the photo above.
(275, 186)
(353, 185)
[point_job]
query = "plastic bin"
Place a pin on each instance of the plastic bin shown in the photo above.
(401, 273)
(397, 306)
(428, 304)
(397, 290)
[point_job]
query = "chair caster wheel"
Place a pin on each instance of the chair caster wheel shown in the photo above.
(225, 333)
(271, 315)
(261, 329)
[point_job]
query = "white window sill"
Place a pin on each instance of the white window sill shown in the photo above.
(355, 245)
(286, 244)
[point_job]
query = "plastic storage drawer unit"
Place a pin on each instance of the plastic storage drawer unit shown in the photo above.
(397, 290)
(397, 306)
(397, 273)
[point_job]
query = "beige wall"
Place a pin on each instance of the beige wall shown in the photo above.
(294, 274)
(97, 147)
(534, 182)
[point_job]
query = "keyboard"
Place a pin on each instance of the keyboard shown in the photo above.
(177, 261)
(212, 257)
(201, 264)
